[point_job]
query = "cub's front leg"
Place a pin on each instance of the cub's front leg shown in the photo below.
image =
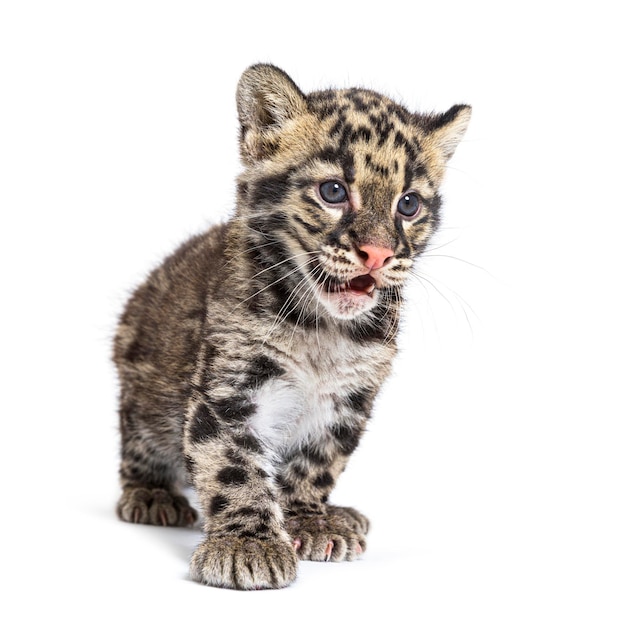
(320, 531)
(246, 546)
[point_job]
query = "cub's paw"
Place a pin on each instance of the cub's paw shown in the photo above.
(155, 506)
(326, 537)
(244, 563)
(353, 518)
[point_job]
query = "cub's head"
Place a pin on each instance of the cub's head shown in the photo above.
(340, 190)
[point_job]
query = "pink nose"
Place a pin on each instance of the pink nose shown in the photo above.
(374, 257)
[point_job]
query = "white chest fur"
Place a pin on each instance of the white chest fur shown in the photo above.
(301, 404)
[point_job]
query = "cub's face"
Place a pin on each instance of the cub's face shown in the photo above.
(345, 185)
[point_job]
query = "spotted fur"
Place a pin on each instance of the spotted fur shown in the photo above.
(249, 360)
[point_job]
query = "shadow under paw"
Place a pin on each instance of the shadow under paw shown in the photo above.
(155, 506)
(244, 563)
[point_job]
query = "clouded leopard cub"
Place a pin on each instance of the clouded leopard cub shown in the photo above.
(250, 359)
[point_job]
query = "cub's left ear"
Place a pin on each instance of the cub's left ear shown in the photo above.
(447, 129)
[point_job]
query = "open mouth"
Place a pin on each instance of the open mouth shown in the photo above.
(360, 285)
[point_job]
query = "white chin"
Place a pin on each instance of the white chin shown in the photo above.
(347, 305)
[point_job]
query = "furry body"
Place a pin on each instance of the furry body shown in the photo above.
(250, 359)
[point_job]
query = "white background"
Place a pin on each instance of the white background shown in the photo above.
(494, 470)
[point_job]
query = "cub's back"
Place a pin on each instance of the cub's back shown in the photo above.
(159, 332)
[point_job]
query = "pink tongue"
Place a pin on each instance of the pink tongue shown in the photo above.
(362, 283)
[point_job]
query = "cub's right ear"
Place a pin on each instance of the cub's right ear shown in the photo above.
(266, 99)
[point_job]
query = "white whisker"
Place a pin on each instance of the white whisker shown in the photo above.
(462, 303)
(304, 302)
(465, 261)
(281, 316)
(285, 276)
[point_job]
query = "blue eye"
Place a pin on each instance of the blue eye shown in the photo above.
(333, 192)
(409, 205)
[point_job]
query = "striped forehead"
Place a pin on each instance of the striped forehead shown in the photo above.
(369, 131)
(371, 137)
